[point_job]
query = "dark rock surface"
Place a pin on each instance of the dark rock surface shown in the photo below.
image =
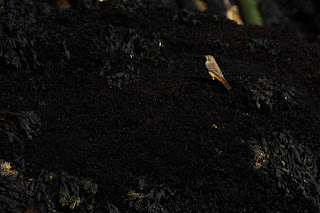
(111, 108)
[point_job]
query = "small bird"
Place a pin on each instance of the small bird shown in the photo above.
(215, 71)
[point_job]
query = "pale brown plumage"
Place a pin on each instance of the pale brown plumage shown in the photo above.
(215, 71)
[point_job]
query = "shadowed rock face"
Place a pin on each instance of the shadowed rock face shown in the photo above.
(114, 107)
(298, 17)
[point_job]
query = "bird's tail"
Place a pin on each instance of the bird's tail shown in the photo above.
(225, 83)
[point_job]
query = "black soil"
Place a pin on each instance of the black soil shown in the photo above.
(147, 119)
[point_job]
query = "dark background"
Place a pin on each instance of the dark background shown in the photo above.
(89, 98)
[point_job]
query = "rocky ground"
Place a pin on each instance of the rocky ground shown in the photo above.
(110, 108)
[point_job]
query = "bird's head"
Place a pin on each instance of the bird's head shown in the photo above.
(209, 57)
